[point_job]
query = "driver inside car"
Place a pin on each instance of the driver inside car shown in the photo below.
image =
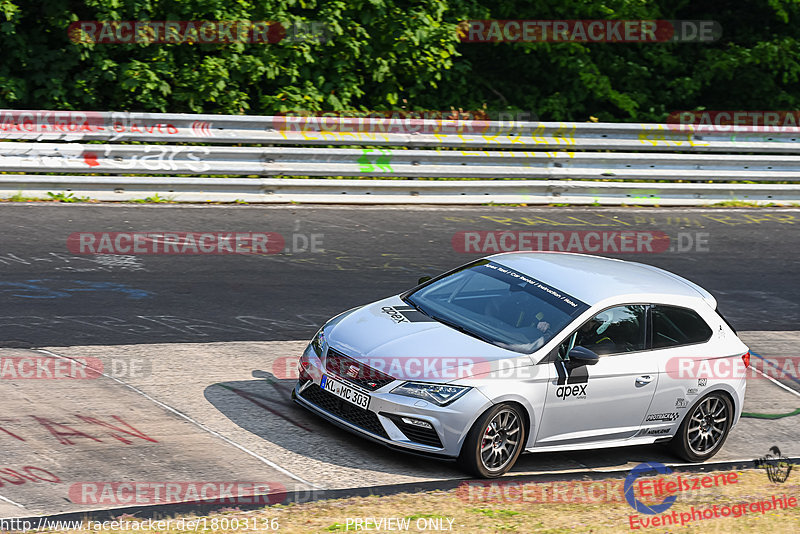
(592, 334)
(518, 310)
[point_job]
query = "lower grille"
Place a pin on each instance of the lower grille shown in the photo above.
(344, 410)
(417, 434)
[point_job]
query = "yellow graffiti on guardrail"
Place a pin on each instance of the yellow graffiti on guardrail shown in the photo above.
(658, 135)
(563, 135)
(521, 154)
(319, 135)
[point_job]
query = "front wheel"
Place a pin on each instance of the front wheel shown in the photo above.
(704, 429)
(494, 442)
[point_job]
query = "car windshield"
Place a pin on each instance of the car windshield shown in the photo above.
(498, 305)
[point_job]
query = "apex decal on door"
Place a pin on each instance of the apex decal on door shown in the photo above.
(579, 392)
(405, 314)
(571, 374)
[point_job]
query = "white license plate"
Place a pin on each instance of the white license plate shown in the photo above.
(343, 391)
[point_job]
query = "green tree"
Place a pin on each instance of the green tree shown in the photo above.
(388, 54)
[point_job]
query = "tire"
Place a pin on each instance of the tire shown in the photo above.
(702, 434)
(502, 429)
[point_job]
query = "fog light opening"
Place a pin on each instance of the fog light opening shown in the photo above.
(416, 422)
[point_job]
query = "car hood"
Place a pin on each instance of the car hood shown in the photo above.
(392, 335)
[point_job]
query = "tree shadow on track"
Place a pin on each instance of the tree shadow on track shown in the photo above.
(264, 407)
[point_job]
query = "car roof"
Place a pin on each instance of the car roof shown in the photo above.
(594, 279)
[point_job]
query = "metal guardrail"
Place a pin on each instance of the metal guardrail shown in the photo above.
(282, 130)
(50, 142)
(383, 162)
(349, 191)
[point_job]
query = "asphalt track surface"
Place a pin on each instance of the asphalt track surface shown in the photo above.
(194, 349)
(749, 259)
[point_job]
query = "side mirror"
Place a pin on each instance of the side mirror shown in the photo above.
(582, 356)
(423, 279)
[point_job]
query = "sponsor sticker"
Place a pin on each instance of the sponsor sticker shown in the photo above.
(578, 391)
(405, 314)
(668, 417)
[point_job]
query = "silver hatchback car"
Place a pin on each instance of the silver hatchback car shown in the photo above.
(531, 352)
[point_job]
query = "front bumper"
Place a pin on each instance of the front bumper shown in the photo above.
(382, 421)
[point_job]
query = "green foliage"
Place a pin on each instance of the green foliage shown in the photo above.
(753, 66)
(19, 197)
(66, 197)
(390, 54)
(155, 199)
(490, 512)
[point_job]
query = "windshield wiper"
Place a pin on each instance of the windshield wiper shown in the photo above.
(413, 305)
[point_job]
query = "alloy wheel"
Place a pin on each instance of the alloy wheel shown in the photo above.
(707, 425)
(500, 440)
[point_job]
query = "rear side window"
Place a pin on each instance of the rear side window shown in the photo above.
(673, 326)
(727, 322)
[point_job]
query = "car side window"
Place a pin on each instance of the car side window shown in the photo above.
(565, 347)
(674, 326)
(613, 331)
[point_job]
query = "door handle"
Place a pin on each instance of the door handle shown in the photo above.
(644, 380)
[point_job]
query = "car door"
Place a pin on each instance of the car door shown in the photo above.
(678, 334)
(607, 400)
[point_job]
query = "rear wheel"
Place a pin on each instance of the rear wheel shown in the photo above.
(704, 429)
(494, 442)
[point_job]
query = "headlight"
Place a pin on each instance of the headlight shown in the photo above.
(440, 394)
(318, 341)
